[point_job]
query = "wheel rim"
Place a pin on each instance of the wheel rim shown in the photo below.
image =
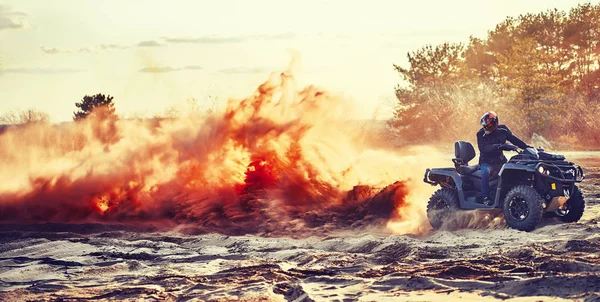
(441, 209)
(518, 208)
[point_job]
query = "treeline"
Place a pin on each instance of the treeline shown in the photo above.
(540, 72)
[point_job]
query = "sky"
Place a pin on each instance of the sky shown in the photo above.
(150, 55)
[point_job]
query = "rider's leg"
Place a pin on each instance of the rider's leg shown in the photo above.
(485, 180)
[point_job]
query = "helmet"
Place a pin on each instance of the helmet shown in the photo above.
(489, 122)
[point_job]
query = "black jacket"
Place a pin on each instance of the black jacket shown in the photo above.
(488, 144)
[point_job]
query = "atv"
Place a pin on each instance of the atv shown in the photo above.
(532, 184)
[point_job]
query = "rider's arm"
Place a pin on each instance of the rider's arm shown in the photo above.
(485, 147)
(516, 141)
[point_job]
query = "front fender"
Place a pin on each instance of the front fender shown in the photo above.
(509, 166)
(512, 175)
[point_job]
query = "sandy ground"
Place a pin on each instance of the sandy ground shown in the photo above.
(48, 262)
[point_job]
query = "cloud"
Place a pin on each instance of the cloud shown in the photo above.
(205, 40)
(243, 70)
(150, 43)
(225, 40)
(101, 47)
(54, 50)
(167, 40)
(41, 70)
(193, 67)
(10, 19)
(158, 69)
(164, 69)
(112, 46)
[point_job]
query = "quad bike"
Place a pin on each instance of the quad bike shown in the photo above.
(530, 185)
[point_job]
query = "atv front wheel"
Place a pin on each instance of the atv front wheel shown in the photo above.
(574, 207)
(442, 206)
(523, 208)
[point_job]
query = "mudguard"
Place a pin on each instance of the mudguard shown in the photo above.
(445, 172)
(450, 172)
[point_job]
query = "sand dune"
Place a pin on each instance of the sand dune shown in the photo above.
(111, 262)
(102, 262)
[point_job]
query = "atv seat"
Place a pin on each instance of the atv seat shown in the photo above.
(463, 153)
(468, 170)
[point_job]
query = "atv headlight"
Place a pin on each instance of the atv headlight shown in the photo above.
(543, 170)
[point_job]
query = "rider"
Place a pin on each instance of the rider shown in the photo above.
(491, 139)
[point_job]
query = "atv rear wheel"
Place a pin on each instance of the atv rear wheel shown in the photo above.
(442, 207)
(575, 207)
(523, 208)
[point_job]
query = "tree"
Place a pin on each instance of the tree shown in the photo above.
(547, 29)
(91, 104)
(433, 65)
(440, 89)
(534, 68)
(583, 36)
(479, 61)
(28, 116)
(534, 93)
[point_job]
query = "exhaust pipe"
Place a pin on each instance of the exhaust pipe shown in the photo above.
(556, 203)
